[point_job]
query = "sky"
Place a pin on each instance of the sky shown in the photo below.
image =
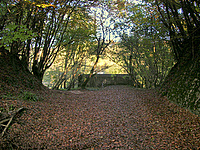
(135, 1)
(113, 36)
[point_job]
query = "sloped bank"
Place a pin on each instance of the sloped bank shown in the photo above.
(14, 77)
(182, 85)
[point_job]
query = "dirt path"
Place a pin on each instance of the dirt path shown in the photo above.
(116, 117)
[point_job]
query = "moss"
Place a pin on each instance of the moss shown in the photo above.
(182, 86)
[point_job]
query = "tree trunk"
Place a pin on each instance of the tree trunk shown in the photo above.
(38, 73)
(85, 82)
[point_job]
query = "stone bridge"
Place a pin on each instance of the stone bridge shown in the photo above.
(100, 80)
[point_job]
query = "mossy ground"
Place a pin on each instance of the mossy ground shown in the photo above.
(182, 85)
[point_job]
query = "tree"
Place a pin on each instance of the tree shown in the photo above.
(147, 63)
(125, 56)
(182, 20)
(74, 55)
(102, 37)
(37, 29)
(142, 47)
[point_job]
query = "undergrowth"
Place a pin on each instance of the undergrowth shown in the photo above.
(29, 96)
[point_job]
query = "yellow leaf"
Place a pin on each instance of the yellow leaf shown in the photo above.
(45, 5)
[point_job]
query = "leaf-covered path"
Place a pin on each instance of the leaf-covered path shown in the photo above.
(115, 117)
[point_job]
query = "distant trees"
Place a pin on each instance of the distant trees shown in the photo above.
(102, 37)
(147, 63)
(77, 52)
(143, 49)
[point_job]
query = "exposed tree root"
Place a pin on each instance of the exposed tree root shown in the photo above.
(8, 117)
